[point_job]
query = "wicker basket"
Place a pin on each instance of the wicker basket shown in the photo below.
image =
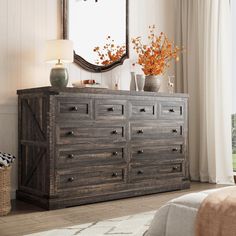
(5, 189)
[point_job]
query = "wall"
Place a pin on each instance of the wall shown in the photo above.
(233, 7)
(24, 27)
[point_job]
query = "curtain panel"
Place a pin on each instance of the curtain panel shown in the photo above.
(204, 71)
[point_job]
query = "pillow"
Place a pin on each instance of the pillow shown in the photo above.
(6, 159)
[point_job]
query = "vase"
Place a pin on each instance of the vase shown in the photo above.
(133, 84)
(140, 79)
(59, 77)
(152, 83)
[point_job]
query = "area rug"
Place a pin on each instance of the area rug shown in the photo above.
(134, 225)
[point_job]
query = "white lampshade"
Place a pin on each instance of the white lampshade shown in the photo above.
(59, 50)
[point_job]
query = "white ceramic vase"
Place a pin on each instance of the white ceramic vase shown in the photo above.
(140, 79)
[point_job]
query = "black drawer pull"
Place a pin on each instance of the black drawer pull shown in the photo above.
(74, 108)
(174, 131)
(142, 110)
(140, 131)
(114, 174)
(110, 109)
(71, 133)
(140, 151)
(175, 150)
(71, 156)
(175, 168)
(171, 110)
(140, 172)
(115, 153)
(71, 179)
(114, 132)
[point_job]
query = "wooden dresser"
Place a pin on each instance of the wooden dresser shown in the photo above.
(80, 146)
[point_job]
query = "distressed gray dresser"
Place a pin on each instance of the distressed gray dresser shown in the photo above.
(80, 146)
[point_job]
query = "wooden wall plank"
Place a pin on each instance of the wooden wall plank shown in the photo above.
(13, 81)
(3, 49)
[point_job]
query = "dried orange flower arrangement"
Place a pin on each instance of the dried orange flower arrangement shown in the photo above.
(110, 52)
(155, 57)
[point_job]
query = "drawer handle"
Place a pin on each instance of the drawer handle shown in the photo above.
(174, 131)
(114, 174)
(71, 179)
(74, 108)
(140, 172)
(115, 153)
(110, 109)
(140, 131)
(171, 110)
(140, 151)
(175, 150)
(142, 110)
(71, 156)
(114, 132)
(175, 168)
(71, 133)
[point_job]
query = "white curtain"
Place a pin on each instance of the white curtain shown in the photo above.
(205, 73)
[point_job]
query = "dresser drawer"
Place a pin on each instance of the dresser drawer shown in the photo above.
(157, 172)
(155, 130)
(88, 134)
(110, 109)
(89, 178)
(74, 109)
(171, 110)
(156, 153)
(80, 157)
(143, 110)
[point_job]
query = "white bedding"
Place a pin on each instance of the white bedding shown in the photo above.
(177, 217)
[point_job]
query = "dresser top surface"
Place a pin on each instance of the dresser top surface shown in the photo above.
(55, 91)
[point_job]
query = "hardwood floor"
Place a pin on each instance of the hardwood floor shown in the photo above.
(25, 218)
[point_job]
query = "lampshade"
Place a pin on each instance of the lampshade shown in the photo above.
(59, 50)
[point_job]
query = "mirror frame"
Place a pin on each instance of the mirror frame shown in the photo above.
(80, 60)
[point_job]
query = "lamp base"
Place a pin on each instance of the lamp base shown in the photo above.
(59, 77)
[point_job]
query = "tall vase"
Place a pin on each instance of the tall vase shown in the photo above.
(152, 83)
(133, 83)
(140, 79)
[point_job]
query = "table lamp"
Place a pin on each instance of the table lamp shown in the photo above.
(59, 52)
